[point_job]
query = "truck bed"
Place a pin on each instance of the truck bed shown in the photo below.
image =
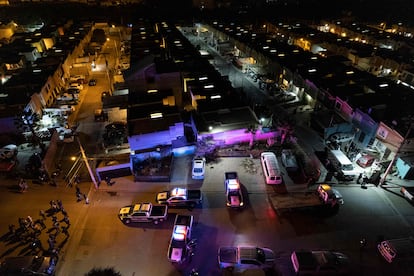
(295, 200)
(228, 255)
(158, 210)
(193, 194)
(230, 175)
(183, 220)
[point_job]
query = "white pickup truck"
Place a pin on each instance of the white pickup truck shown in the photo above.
(234, 195)
(143, 212)
(181, 245)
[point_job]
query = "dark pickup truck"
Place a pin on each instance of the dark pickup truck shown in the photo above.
(180, 197)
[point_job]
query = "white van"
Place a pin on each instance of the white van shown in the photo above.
(342, 162)
(397, 249)
(270, 167)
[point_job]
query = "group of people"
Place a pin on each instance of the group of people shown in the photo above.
(29, 231)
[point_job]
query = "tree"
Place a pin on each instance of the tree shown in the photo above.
(109, 271)
(98, 36)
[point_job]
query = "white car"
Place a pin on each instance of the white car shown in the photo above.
(8, 152)
(77, 78)
(199, 167)
(76, 86)
(242, 258)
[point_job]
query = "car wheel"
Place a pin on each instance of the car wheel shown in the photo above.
(127, 221)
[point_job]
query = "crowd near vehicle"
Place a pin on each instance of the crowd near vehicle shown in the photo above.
(180, 197)
(181, 245)
(271, 170)
(199, 167)
(143, 212)
(28, 265)
(324, 195)
(322, 262)
(243, 258)
(234, 194)
(397, 249)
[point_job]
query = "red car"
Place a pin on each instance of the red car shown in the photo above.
(365, 161)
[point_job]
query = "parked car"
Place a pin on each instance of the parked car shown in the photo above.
(199, 166)
(340, 137)
(77, 78)
(329, 195)
(242, 258)
(28, 265)
(92, 82)
(143, 212)
(76, 85)
(234, 194)
(366, 160)
(73, 90)
(321, 262)
(289, 160)
(180, 197)
(181, 245)
(8, 152)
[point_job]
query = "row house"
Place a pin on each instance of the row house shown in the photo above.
(362, 119)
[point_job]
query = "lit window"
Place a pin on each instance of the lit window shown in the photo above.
(156, 115)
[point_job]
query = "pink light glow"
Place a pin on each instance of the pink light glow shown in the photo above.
(231, 137)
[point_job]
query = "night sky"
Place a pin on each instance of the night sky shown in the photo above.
(360, 10)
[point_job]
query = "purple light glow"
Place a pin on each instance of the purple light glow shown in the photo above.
(239, 136)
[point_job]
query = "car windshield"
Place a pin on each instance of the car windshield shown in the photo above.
(198, 170)
(347, 167)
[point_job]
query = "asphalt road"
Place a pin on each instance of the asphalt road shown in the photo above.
(99, 239)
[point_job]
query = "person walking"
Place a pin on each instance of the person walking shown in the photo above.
(86, 198)
(66, 220)
(23, 185)
(60, 204)
(42, 214)
(29, 221)
(78, 196)
(41, 222)
(12, 229)
(65, 231)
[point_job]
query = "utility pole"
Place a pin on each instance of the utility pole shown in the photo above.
(85, 159)
(387, 171)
